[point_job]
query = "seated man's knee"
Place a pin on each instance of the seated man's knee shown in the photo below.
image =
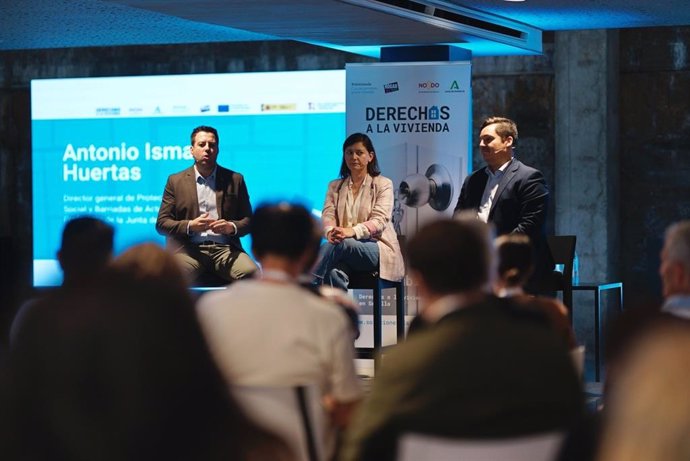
(189, 265)
(242, 266)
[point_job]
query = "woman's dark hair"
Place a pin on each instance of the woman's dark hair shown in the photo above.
(515, 258)
(373, 166)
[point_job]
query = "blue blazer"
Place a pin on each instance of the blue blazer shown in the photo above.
(519, 205)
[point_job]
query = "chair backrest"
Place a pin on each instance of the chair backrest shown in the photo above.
(539, 447)
(562, 249)
(293, 413)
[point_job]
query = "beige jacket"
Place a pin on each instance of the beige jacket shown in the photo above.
(375, 213)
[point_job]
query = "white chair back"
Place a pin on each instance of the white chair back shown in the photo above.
(293, 413)
(421, 447)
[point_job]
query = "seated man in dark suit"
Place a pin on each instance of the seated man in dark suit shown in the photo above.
(204, 212)
(509, 194)
(479, 367)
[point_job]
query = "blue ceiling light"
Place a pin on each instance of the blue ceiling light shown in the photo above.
(372, 51)
(478, 48)
(564, 15)
(470, 24)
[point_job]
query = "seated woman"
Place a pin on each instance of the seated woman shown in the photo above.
(357, 220)
(515, 265)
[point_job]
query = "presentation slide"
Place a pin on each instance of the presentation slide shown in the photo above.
(104, 147)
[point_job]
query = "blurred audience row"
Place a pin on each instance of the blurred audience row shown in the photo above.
(124, 361)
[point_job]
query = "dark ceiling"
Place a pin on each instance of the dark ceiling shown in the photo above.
(486, 27)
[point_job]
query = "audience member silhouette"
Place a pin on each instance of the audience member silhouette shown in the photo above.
(515, 266)
(627, 330)
(119, 370)
(270, 331)
(478, 367)
(85, 250)
(648, 410)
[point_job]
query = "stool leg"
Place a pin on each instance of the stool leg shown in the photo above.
(400, 310)
(568, 301)
(378, 319)
(597, 335)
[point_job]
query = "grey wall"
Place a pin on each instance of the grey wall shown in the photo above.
(654, 148)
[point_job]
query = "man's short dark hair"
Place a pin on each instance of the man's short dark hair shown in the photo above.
(87, 244)
(284, 229)
(504, 127)
(451, 255)
(207, 129)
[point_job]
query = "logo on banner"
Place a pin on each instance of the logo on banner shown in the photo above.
(287, 107)
(454, 88)
(390, 87)
(428, 87)
(362, 88)
(107, 111)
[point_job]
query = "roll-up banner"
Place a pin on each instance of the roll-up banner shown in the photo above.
(418, 116)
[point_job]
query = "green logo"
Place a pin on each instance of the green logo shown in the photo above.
(454, 85)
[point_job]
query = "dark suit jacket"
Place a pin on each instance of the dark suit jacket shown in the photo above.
(519, 205)
(180, 205)
(487, 370)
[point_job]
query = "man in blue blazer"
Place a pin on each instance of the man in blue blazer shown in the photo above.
(509, 194)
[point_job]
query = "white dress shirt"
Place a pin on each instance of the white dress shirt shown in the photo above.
(490, 191)
(677, 305)
(206, 195)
